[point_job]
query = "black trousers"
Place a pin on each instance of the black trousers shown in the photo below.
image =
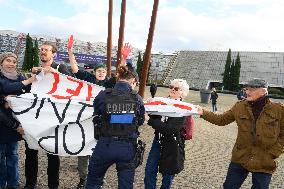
(31, 168)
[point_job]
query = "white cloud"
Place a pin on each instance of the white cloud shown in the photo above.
(176, 27)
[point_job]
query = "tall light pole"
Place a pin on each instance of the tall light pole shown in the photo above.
(109, 37)
(121, 32)
(147, 55)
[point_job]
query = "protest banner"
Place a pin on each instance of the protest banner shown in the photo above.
(169, 107)
(57, 115)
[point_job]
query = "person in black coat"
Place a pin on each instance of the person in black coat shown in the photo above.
(11, 83)
(153, 89)
(213, 98)
(167, 152)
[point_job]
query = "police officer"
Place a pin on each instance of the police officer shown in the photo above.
(118, 113)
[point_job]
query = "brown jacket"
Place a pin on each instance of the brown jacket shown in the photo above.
(255, 149)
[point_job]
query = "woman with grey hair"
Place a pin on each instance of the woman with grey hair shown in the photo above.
(167, 152)
(11, 83)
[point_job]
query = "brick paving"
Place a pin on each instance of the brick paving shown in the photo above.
(207, 156)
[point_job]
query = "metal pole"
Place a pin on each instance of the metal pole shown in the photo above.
(109, 37)
(147, 55)
(121, 32)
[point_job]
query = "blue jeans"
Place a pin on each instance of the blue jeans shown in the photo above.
(237, 174)
(151, 169)
(9, 161)
(107, 152)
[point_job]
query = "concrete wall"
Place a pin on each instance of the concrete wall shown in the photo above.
(199, 67)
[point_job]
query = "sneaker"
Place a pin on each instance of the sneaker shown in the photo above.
(81, 184)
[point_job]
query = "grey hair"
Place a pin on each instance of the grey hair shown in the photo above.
(182, 84)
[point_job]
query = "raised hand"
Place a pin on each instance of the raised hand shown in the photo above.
(72, 58)
(126, 49)
(70, 42)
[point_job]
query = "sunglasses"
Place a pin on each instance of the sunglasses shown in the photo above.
(175, 88)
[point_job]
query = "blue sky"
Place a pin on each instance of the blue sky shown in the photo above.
(242, 25)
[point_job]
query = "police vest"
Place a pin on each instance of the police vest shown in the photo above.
(120, 117)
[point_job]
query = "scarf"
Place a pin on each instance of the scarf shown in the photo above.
(10, 75)
(258, 105)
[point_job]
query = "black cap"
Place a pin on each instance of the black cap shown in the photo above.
(256, 83)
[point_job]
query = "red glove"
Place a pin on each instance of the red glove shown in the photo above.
(126, 49)
(70, 42)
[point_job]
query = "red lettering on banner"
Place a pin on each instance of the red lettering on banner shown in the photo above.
(155, 103)
(182, 106)
(88, 98)
(54, 85)
(75, 92)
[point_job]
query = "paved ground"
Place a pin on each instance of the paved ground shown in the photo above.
(207, 156)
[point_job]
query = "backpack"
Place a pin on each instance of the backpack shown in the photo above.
(188, 128)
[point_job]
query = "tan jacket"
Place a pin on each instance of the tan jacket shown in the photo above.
(255, 149)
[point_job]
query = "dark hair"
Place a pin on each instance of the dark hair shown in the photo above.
(52, 44)
(125, 73)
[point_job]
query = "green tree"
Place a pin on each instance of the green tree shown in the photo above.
(28, 58)
(35, 54)
(233, 84)
(139, 65)
(226, 75)
(237, 71)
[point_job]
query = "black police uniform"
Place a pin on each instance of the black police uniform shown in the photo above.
(120, 111)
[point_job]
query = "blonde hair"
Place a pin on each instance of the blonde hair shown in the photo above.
(182, 84)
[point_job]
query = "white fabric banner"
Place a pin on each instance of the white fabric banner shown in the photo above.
(169, 107)
(57, 115)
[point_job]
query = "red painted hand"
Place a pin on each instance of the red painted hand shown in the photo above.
(70, 42)
(126, 49)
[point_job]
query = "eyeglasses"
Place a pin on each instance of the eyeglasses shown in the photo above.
(175, 88)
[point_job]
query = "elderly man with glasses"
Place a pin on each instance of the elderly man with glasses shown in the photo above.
(260, 138)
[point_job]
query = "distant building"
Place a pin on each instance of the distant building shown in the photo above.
(199, 68)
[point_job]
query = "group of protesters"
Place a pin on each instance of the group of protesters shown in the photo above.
(260, 137)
